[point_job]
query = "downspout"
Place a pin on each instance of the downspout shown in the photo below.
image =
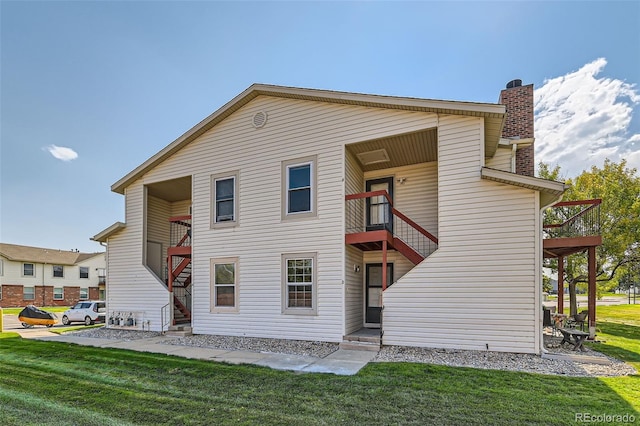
(538, 271)
(43, 291)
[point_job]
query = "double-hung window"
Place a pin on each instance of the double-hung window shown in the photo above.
(28, 270)
(84, 272)
(84, 293)
(299, 188)
(224, 284)
(58, 271)
(58, 293)
(28, 293)
(225, 200)
(299, 286)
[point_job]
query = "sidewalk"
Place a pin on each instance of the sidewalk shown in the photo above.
(341, 362)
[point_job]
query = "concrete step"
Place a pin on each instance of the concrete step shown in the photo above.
(356, 338)
(360, 346)
(179, 331)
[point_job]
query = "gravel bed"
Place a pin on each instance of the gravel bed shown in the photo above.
(503, 361)
(255, 344)
(115, 334)
(454, 358)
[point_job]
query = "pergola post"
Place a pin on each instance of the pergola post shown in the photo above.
(592, 293)
(560, 284)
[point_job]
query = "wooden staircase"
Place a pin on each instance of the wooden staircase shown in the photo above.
(179, 262)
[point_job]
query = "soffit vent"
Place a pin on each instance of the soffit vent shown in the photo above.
(259, 119)
(373, 157)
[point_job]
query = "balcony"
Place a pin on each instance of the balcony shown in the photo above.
(373, 223)
(571, 227)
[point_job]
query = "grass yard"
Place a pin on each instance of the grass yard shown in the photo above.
(53, 309)
(57, 383)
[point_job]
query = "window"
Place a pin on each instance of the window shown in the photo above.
(28, 270)
(58, 293)
(58, 271)
(224, 189)
(84, 293)
(224, 284)
(299, 290)
(0, 291)
(84, 272)
(299, 188)
(1, 267)
(28, 293)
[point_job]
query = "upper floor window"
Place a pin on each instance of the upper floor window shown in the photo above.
(224, 195)
(58, 271)
(84, 272)
(28, 270)
(1, 267)
(299, 187)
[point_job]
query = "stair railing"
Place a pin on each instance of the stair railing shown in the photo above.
(165, 318)
(400, 225)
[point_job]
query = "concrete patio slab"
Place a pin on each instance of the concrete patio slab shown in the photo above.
(240, 357)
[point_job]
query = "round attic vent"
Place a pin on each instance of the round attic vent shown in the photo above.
(259, 119)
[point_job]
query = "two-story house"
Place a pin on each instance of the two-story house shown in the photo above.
(49, 277)
(312, 214)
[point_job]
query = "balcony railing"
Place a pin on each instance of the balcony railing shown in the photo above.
(570, 219)
(374, 211)
(180, 231)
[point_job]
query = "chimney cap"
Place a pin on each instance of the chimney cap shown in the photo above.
(514, 83)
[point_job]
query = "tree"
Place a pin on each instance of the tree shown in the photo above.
(619, 255)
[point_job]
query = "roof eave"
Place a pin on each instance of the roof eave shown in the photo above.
(550, 190)
(102, 236)
(377, 101)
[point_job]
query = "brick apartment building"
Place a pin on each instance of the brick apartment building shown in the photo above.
(49, 277)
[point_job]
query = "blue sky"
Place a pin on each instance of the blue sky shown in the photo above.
(89, 90)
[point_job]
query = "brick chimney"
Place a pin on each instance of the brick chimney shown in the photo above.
(519, 123)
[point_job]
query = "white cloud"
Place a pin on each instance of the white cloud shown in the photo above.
(581, 119)
(62, 152)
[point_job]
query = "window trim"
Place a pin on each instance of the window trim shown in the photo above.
(33, 265)
(80, 273)
(288, 164)
(235, 175)
(313, 310)
(54, 293)
(24, 296)
(53, 271)
(212, 285)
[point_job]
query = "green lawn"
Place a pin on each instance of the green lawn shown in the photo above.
(57, 383)
(16, 311)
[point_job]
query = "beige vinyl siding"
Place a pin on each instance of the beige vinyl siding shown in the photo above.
(354, 281)
(477, 291)
(180, 208)
(131, 286)
(417, 197)
(502, 160)
(294, 129)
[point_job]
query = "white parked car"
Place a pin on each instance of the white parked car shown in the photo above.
(88, 312)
